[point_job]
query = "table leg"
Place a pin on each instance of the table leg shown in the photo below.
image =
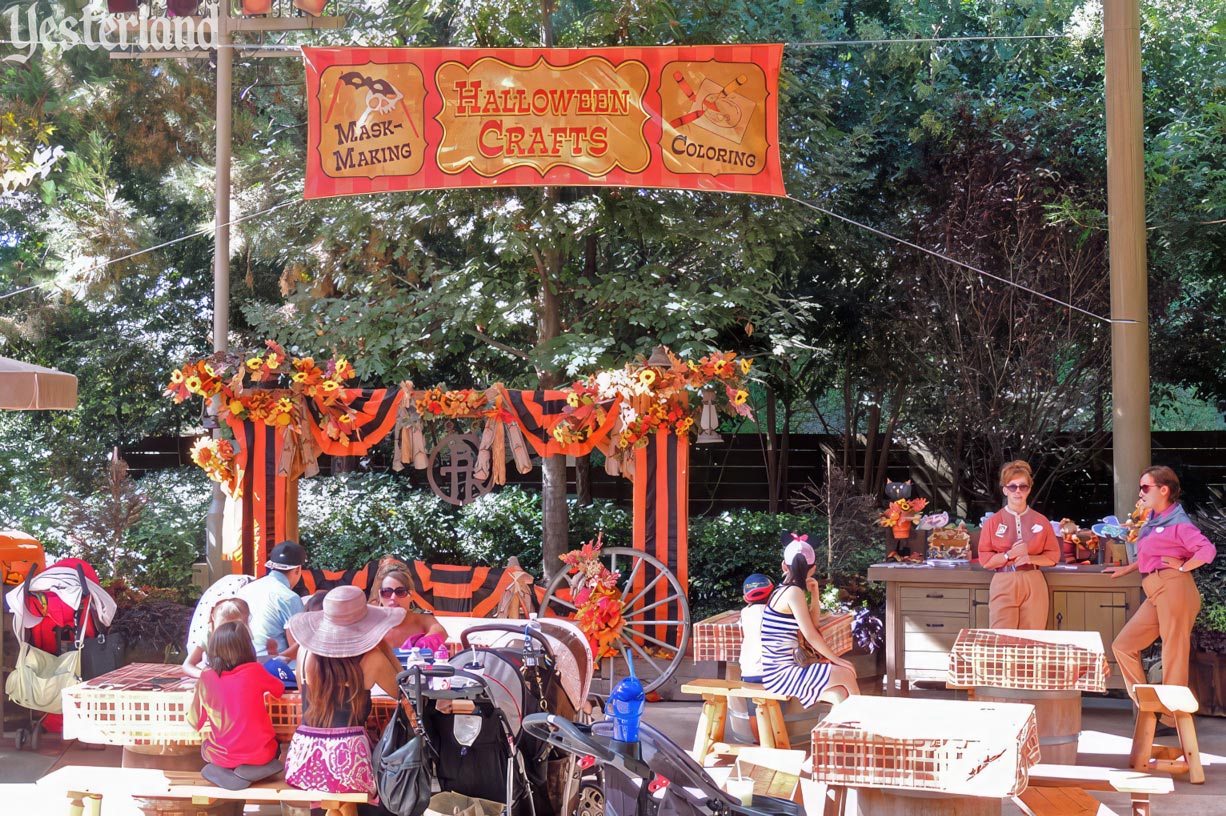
(93, 804)
(895, 671)
(76, 803)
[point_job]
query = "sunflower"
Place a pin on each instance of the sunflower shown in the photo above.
(176, 377)
(193, 384)
(741, 397)
(572, 399)
(254, 363)
(647, 376)
(746, 364)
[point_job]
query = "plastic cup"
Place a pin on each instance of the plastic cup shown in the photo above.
(740, 787)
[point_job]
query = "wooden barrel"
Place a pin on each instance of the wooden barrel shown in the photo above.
(880, 802)
(799, 721)
(1058, 714)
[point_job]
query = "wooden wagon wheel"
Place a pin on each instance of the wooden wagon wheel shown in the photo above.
(657, 646)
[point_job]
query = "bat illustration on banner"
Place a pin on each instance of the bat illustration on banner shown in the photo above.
(381, 97)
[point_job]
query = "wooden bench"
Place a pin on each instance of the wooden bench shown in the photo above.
(157, 792)
(1060, 790)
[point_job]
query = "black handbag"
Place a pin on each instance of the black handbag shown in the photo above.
(103, 652)
(402, 766)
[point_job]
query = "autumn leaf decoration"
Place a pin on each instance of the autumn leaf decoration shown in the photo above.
(597, 600)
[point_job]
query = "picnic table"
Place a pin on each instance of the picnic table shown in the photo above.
(961, 757)
(719, 638)
(146, 704)
(1048, 669)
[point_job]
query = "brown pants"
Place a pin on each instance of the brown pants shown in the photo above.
(1171, 605)
(1018, 600)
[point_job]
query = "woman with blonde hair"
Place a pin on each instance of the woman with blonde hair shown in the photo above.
(392, 589)
(1015, 542)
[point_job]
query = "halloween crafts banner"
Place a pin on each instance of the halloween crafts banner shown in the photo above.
(391, 119)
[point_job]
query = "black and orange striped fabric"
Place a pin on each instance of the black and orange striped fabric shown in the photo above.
(539, 411)
(661, 502)
(315, 580)
(264, 493)
(375, 417)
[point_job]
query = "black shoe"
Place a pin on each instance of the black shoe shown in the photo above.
(1165, 731)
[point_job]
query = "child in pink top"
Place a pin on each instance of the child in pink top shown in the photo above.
(240, 746)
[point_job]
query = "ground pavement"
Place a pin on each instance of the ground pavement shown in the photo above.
(1105, 741)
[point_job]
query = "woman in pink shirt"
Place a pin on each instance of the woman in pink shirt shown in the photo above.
(1015, 542)
(1169, 548)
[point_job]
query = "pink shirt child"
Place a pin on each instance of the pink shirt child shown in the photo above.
(230, 711)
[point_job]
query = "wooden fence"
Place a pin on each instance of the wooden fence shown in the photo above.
(733, 474)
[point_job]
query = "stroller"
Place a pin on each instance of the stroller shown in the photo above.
(56, 612)
(653, 777)
(471, 711)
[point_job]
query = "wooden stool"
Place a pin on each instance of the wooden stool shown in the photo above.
(772, 729)
(772, 732)
(1177, 702)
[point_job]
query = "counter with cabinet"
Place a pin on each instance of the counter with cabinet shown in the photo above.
(926, 606)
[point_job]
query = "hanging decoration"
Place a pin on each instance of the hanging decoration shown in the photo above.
(598, 603)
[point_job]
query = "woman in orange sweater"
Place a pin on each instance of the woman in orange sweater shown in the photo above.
(1015, 542)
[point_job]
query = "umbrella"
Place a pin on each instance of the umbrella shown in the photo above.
(26, 387)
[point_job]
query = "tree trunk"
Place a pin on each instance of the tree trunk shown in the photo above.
(784, 444)
(553, 469)
(583, 479)
(869, 477)
(772, 454)
(883, 458)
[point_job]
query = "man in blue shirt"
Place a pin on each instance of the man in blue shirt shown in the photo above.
(273, 602)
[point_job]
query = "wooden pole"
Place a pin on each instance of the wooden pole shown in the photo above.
(1126, 249)
(221, 266)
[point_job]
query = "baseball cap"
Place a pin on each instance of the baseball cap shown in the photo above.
(286, 556)
(757, 588)
(280, 669)
(799, 545)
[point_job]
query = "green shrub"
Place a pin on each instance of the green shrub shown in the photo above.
(728, 548)
(170, 534)
(345, 521)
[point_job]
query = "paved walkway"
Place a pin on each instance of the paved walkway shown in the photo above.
(1105, 741)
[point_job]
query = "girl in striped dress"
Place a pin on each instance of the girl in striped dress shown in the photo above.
(785, 619)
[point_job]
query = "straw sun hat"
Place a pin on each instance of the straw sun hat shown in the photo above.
(346, 627)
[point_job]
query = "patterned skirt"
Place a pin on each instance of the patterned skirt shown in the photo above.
(336, 760)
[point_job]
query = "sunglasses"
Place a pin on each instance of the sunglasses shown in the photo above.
(1145, 488)
(1014, 488)
(388, 592)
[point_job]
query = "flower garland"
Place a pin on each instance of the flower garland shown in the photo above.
(284, 380)
(597, 600)
(652, 398)
(216, 457)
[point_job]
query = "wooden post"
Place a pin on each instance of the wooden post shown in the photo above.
(1126, 249)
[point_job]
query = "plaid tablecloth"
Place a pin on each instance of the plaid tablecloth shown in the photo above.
(146, 704)
(1029, 660)
(908, 743)
(719, 636)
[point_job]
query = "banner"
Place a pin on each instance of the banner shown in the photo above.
(392, 119)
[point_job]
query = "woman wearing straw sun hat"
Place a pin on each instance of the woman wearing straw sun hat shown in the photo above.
(343, 658)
